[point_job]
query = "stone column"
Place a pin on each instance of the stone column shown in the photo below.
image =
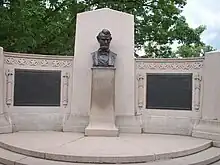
(197, 89)
(211, 98)
(5, 121)
(102, 111)
(209, 125)
(9, 83)
(140, 91)
(123, 45)
(65, 89)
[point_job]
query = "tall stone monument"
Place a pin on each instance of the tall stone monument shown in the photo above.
(102, 112)
(5, 121)
(88, 26)
(208, 126)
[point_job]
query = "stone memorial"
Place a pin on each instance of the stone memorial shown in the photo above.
(113, 74)
(102, 112)
(5, 120)
(104, 90)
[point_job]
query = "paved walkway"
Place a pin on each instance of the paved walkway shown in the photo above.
(50, 148)
(77, 144)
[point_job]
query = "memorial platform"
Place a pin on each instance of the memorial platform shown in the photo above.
(57, 148)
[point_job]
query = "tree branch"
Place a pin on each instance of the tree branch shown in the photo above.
(53, 12)
(50, 39)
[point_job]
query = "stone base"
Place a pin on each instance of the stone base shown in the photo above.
(168, 125)
(24, 121)
(129, 124)
(207, 129)
(125, 124)
(102, 112)
(6, 129)
(73, 123)
(110, 132)
(5, 126)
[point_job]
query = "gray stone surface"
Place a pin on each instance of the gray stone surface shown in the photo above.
(102, 111)
(5, 121)
(202, 158)
(211, 86)
(8, 157)
(216, 163)
(126, 148)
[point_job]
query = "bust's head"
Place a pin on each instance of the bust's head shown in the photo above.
(104, 38)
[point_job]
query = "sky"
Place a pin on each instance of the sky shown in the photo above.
(205, 12)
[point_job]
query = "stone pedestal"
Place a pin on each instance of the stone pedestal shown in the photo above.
(102, 111)
(211, 80)
(209, 126)
(123, 45)
(5, 121)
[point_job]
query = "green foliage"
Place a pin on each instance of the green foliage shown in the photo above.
(48, 26)
(193, 50)
(32, 26)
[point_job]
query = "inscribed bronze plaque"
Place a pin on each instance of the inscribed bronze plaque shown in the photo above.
(37, 88)
(169, 91)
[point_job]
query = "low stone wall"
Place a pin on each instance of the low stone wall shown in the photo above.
(33, 118)
(169, 121)
(201, 120)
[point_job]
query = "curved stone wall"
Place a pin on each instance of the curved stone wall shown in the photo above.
(37, 117)
(199, 121)
(172, 121)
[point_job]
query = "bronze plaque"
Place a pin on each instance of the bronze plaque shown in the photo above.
(37, 88)
(169, 91)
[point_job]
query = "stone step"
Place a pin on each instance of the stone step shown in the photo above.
(216, 163)
(205, 157)
(127, 148)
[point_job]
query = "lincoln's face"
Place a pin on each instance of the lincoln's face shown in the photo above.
(104, 42)
(104, 39)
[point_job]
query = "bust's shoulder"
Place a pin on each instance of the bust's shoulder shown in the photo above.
(112, 53)
(94, 53)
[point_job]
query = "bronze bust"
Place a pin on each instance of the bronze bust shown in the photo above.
(103, 57)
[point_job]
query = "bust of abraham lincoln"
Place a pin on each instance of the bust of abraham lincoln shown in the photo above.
(103, 57)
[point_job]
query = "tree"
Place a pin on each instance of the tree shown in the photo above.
(186, 49)
(193, 50)
(48, 26)
(158, 24)
(42, 26)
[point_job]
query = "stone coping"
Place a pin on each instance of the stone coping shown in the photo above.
(30, 55)
(192, 59)
(205, 157)
(127, 148)
(103, 68)
(39, 56)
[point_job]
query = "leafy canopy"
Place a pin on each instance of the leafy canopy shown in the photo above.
(48, 26)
